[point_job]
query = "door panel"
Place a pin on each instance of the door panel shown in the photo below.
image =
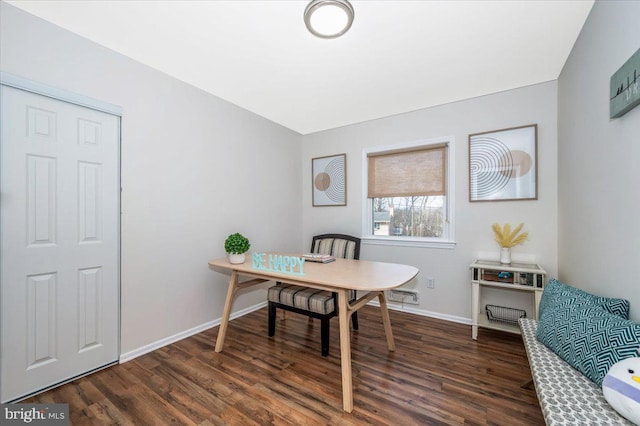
(41, 320)
(89, 308)
(59, 219)
(90, 215)
(41, 200)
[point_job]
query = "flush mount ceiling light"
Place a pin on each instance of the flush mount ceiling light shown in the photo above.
(328, 18)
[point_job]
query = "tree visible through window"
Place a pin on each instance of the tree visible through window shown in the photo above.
(416, 216)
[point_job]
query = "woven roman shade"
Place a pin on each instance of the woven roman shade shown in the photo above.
(403, 173)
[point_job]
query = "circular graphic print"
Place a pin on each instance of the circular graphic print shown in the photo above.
(335, 171)
(322, 181)
(491, 166)
(521, 163)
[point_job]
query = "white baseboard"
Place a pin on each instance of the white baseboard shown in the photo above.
(184, 334)
(202, 327)
(404, 308)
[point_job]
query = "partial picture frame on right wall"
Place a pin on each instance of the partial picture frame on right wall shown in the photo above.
(503, 164)
(625, 87)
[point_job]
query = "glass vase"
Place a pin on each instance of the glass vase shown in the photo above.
(505, 255)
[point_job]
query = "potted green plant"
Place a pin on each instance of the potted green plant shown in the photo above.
(236, 245)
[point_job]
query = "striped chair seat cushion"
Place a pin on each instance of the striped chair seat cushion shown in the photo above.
(308, 299)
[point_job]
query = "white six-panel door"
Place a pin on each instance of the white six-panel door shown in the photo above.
(59, 254)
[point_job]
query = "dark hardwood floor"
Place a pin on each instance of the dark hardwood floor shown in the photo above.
(437, 375)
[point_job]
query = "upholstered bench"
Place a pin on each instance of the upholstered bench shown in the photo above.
(566, 396)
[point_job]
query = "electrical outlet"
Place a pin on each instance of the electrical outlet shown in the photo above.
(431, 282)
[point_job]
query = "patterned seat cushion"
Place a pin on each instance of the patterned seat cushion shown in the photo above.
(309, 299)
(567, 398)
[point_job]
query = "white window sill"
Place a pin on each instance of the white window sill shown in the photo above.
(408, 242)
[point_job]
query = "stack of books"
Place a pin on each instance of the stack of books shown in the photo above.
(322, 258)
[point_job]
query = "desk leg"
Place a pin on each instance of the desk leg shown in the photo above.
(222, 332)
(345, 352)
(386, 321)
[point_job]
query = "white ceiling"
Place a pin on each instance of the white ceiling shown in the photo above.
(398, 56)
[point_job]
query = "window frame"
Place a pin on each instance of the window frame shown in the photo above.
(447, 241)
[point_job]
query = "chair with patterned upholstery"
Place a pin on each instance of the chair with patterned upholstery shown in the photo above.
(310, 301)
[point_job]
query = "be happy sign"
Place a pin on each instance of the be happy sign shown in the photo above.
(293, 265)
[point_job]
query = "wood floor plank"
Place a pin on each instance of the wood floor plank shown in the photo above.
(174, 393)
(105, 413)
(437, 375)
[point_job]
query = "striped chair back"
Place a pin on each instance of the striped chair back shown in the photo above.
(337, 245)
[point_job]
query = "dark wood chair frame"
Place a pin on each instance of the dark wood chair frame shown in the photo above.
(324, 318)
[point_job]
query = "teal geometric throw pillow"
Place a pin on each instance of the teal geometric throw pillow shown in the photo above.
(556, 294)
(588, 338)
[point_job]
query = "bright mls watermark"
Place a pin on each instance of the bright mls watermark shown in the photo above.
(36, 414)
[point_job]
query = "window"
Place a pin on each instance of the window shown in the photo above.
(408, 194)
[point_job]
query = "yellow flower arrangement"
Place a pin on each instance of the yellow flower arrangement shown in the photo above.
(507, 238)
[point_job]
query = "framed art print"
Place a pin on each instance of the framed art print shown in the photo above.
(329, 180)
(503, 164)
(625, 87)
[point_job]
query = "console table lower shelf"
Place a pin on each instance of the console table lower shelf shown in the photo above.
(483, 321)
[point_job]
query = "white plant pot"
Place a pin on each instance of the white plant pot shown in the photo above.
(236, 258)
(505, 255)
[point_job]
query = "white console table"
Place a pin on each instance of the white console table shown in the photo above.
(527, 277)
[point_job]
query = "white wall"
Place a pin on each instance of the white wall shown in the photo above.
(194, 169)
(181, 146)
(598, 181)
(452, 294)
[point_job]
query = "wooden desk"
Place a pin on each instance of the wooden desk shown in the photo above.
(340, 276)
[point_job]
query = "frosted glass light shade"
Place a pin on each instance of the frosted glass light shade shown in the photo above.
(328, 18)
